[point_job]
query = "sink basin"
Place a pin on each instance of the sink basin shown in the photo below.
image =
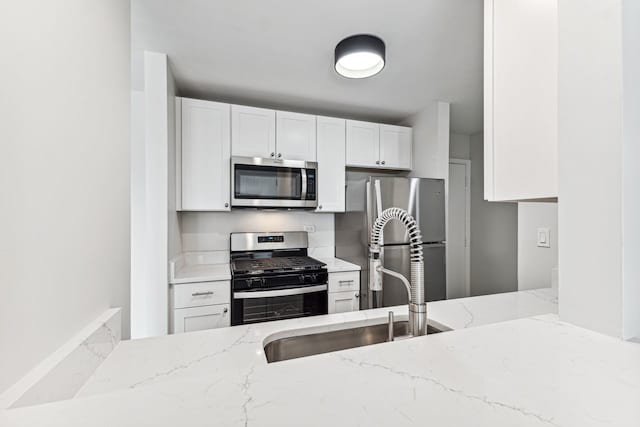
(325, 342)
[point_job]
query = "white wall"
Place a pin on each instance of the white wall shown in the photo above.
(494, 229)
(535, 264)
(459, 145)
(64, 180)
(430, 141)
(209, 231)
(631, 171)
(155, 227)
(599, 206)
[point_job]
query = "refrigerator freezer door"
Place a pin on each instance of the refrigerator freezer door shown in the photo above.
(422, 198)
(396, 258)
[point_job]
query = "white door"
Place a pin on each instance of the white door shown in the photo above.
(205, 155)
(253, 131)
(295, 136)
(363, 144)
(395, 146)
(331, 164)
(342, 302)
(200, 318)
(458, 232)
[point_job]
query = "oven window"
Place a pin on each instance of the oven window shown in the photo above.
(267, 182)
(254, 310)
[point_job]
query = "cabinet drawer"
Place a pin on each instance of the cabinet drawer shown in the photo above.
(200, 294)
(345, 281)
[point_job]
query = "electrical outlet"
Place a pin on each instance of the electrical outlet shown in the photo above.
(309, 228)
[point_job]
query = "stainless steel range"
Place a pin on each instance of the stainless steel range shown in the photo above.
(273, 278)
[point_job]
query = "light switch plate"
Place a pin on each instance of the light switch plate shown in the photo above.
(309, 228)
(543, 237)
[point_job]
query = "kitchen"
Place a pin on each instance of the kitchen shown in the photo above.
(259, 279)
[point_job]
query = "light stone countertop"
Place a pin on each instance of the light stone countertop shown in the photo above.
(337, 265)
(528, 372)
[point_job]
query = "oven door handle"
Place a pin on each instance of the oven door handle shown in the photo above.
(279, 292)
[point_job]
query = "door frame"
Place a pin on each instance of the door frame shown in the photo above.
(467, 237)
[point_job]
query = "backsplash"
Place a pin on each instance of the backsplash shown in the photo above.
(209, 231)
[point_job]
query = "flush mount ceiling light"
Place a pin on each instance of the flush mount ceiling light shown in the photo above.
(360, 56)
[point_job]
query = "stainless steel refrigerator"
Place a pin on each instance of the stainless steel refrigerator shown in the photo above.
(366, 195)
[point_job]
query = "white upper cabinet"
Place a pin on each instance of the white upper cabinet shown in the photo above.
(331, 134)
(253, 131)
(295, 136)
(520, 96)
(372, 145)
(363, 144)
(203, 155)
(395, 146)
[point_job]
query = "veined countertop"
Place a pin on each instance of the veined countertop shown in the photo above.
(185, 272)
(527, 372)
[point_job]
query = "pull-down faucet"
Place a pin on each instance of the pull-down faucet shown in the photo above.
(417, 304)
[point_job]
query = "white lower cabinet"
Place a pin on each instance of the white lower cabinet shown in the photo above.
(344, 292)
(199, 318)
(198, 306)
(341, 302)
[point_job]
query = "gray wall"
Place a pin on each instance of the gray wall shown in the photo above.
(494, 234)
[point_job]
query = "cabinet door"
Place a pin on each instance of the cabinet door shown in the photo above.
(363, 144)
(331, 164)
(520, 94)
(341, 302)
(295, 136)
(395, 146)
(200, 318)
(205, 147)
(253, 131)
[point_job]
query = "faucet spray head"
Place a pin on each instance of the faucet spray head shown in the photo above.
(375, 276)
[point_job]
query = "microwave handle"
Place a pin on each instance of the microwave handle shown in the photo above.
(303, 173)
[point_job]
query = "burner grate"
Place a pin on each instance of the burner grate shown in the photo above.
(276, 264)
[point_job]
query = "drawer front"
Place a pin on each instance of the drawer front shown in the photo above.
(201, 318)
(345, 281)
(201, 294)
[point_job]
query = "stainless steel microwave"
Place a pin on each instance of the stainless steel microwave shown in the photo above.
(273, 183)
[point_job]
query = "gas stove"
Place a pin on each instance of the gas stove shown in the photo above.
(273, 278)
(275, 264)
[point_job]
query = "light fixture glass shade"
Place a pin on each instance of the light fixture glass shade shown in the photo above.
(360, 56)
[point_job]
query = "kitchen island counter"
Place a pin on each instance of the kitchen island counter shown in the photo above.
(528, 372)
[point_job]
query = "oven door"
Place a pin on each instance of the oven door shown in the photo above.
(257, 182)
(278, 304)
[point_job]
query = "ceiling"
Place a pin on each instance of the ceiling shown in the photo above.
(279, 53)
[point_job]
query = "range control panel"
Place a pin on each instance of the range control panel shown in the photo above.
(270, 239)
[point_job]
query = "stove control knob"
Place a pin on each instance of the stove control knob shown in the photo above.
(301, 278)
(314, 277)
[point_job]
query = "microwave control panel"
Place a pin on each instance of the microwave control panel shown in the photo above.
(311, 184)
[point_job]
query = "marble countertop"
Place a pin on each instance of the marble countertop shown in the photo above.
(529, 372)
(201, 273)
(336, 265)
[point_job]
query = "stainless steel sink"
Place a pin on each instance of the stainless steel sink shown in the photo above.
(325, 342)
